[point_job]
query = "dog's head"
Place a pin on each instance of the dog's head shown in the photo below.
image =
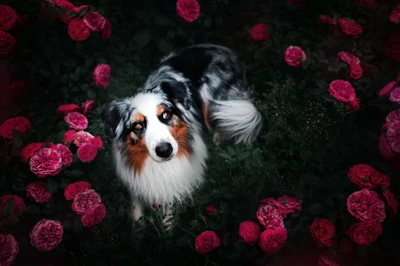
(151, 124)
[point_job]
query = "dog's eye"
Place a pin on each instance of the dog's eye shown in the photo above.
(137, 127)
(166, 115)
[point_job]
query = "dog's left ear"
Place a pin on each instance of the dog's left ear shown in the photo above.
(178, 92)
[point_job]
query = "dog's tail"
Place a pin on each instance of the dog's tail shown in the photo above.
(237, 120)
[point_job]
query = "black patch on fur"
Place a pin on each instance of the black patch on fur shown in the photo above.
(112, 115)
(177, 91)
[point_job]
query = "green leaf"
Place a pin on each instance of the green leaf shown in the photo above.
(163, 21)
(45, 72)
(91, 94)
(8, 207)
(31, 209)
(52, 185)
(164, 46)
(18, 141)
(10, 220)
(316, 208)
(208, 21)
(82, 11)
(74, 173)
(182, 241)
(142, 37)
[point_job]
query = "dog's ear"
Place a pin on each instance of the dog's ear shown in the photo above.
(178, 92)
(112, 117)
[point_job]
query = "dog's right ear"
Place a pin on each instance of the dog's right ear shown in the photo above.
(112, 118)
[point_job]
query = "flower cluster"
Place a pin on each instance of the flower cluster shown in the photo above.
(341, 26)
(86, 203)
(389, 141)
(356, 71)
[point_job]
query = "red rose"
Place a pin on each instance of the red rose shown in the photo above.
(29, 150)
(353, 105)
(269, 216)
(85, 200)
(385, 91)
(385, 149)
(87, 152)
(395, 95)
(379, 180)
(322, 231)
(75, 188)
(16, 91)
(188, 10)
(348, 58)
(290, 204)
(342, 90)
(9, 249)
(87, 106)
(76, 121)
(46, 162)
(19, 205)
(393, 136)
(206, 242)
(51, 145)
(102, 75)
(8, 17)
(364, 233)
(294, 56)
(94, 215)
(211, 210)
(392, 47)
(68, 108)
(46, 235)
(68, 8)
(393, 116)
(360, 175)
(98, 143)
(77, 30)
(324, 19)
(394, 16)
(106, 32)
(356, 71)
(365, 205)
(18, 123)
(391, 203)
(82, 137)
(259, 32)
(65, 153)
(249, 232)
(68, 137)
(36, 191)
(323, 260)
(298, 4)
(350, 27)
(94, 20)
(277, 204)
(272, 240)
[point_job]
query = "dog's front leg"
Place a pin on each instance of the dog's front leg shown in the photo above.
(168, 215)
(137, 210)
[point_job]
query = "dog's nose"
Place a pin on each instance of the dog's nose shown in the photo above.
(164, 150)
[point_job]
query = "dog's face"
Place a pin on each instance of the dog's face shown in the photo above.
(149, 124)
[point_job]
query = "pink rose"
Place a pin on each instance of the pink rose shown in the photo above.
(323, 260)
(85, 200)
(76, 121)
(36, 191)
(269, 216)
(19, 204)
(365, 205)
(65, 153)
(106, 32)
(324, 19)
(82, 137)
(277, 204)
(87, 106)
(87, 152)
(68, 137)
(96, 141)
(75, 188)
(395, 15)
(393, 136)
(68, 108)
(356, 71)
(353, 105)
(385, 149)
(272, 240)
(259, 32)
(395, 95)
(348, 58)
(391, 203)
(350, 27)
(102, 75)
(94, 20)
(46, 235)
(94, 215)
(385, 91)
(188, 10)
(249, 232)
(9, 249)
(294, 56)
(393, 116)
(342, 90)
(46, 162)
(291, 204)
(206, 242)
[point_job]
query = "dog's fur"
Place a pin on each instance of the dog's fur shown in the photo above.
(158, 147)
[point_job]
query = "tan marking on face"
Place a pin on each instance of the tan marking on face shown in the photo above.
(160, 110)
(138, 117)
(179, 131)
(137, 153)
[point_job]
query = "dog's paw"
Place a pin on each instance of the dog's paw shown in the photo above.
(217, 138)
(137, 213)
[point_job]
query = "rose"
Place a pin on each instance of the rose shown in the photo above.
(188, 10)
(322, 231)
(259, 32)
(29, 150)
(87, 106)
(87, 152)
(385, 91)
(206, 242)
(353, 105)
(364, 233)
(342, 90)
(395, 95)
(324, 19)
(68, 136)
(97, 142)
(9, 249)
(65, 153)
(249, 232)
(393, 136)
(74, 189)
(269, 216)
(393, 116)
(85, 200)
(68, 8)
(379, 180)
(365, 205)
(77, 30)
(211, 210)
(359, 174)
(294, 56)
(290, 204)
(106, 32)
(94, 20)
(392, 47)
(46, 162)
(19, 205)
(8, 18)
(102, 75)
(323, 260)
(19, 123)
(348, 58)
(350, 27)
(37, 192)
(385, 149)
(94, 215)
(76, 121)
(277, 204)
(82, 137)
(394, 15)
(46, 235)
(272, 240)
(68, 108)
(356, 71)
(391, 203)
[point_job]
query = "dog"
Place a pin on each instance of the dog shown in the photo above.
(157, 135)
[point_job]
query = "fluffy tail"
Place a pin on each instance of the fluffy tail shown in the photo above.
(236, 120)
